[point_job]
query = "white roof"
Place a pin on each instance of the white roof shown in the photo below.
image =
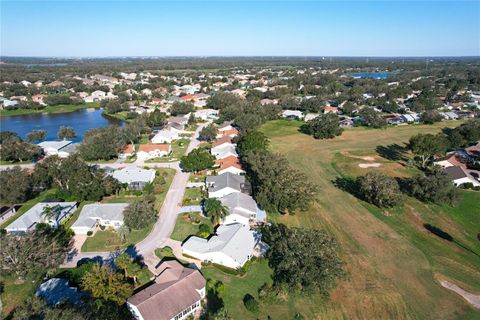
(295, 113)
(224, 149)
(134, 174)
(57, 145)
(233, 240)
(34, 215)
(105, 211)
(239, 203)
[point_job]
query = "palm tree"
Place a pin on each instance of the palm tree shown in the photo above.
(215, 209)
(51, 212)
(123, 232)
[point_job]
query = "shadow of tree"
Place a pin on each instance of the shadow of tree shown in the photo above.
(393, 152)
(348, 185)
(446, 236)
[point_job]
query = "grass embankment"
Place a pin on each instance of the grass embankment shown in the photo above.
(62, 108)
(392, 260)
(105, 240)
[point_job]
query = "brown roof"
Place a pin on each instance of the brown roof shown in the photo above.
(128, 148)
(154, 146)
(230, 132)
(222, 140)
(230, 161)
(455, 172)
(174, 290)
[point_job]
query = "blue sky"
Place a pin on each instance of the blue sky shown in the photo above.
(264, 28)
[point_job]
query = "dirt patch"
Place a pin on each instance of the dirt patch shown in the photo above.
(366, 158)
(369, 165)
(471, 298)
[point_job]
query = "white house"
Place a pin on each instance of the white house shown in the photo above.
(60, 148)
(241, 209)
(105, 214)
(206, 114)
(292, 114)
(176, 294)
(153, 150)
(224, 151)
(224, 184)
(166, 136)
(459, 177)
(52, 213)
(232, 246)
(135, 177)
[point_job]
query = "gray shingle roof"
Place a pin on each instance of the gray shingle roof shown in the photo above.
(106, 211)
(455, 172)
(225, 180)
(239, 203)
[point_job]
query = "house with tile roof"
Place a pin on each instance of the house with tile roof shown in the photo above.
(229, 164)
(153, 150)
(176, 294)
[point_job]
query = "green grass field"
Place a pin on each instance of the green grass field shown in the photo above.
(193, 196)
(393, 262)
(184, 227)
(104, 241)
(63, 108)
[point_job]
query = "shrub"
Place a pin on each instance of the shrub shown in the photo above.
(89, 233)
(204, 228)
(250, 303)
(102, 227)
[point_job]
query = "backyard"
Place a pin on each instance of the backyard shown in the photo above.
(394, 263)
(188, 224)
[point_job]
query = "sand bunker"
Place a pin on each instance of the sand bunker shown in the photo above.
(473, 299)
(369, 165)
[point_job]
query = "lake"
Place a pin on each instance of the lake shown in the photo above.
(81, 121)
(373, 75)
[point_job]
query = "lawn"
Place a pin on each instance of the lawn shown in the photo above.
(63, 108)
(14, 294)
(392, 260)
(106, 240)
(193, 196)
(187, 225)
(197, 177)
(179, 147)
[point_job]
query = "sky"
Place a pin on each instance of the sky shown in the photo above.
(248, 28)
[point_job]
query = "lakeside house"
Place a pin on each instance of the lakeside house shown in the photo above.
(51, 213)
(105, 214)
(136, 178)
(63, 148)
(232, 246)
(177, 293)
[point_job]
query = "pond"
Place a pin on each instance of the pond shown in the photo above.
(81, 121)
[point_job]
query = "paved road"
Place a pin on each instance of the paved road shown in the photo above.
(163, 228)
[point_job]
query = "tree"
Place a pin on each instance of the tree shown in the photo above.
(197, 160)
(252, 141)
(181, 108)
(130, 268)
(325, 126)
(51, 212)
(215, 210)
(36, 135)
(221, 100)
(66, 133)
(425, 146)
(208, 133)
(431, 116)
(107, 285)
(303, 259)
(277, 187)
(139, 214)
(434, 186)
(16, 185)
(39, 250)
(17, 150)
(250, 303)
(102, 143)
(379, 189)
(9, 136)
(191, 120)
(157, 119)
(372, 118)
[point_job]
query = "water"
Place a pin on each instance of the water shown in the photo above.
(81, 121)
(373, 75)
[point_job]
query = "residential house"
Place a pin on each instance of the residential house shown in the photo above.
(242, 209)
(224, 184)
(223, 151)
(268, 101)
(292, 114)
(206, 114)
(105, 214)
(153, 150)
(346, 122)
(63, 148)
(52, 213)
(232, 246)
(227, 130)
(310, 116)
(229, 164)
(459, 177)
(135, 177)
(38, 98)
(127, 151)
(330, 109)
(176, 293)
(166, 135)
